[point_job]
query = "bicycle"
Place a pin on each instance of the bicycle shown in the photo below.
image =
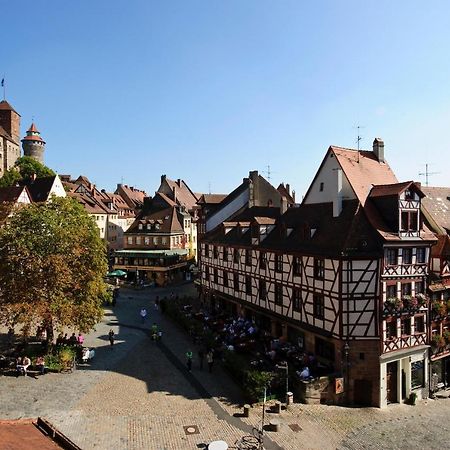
(252, 441)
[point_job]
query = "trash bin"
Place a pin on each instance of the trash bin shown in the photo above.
(289, 398)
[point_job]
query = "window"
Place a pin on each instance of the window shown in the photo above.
(140, 226)
(130, 240)
(391, 291)
(147, 240)
(406, 289)
(225, 253)
(296, 299)
(262, 290)
(391, 329)
(262, 260)
(409, 221)
(225, 278)
(417, 374)
(216, 276)
(406, 327)
(391, 256)
(319, 268)
(409, 195)
(248, 257)
(419, 287)
(321, 187)
(164, 240)
(279, 263)
(278, 294)
(207, 273)
(248, 285)
(155, 240)
(407, 256)
(419, 324)
(216, 252)
(207, 250)
(236, 282)
(420, 255)
(297, 263)
(318, 306)
(236, 256)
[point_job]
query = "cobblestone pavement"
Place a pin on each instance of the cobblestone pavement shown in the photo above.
(139, 395)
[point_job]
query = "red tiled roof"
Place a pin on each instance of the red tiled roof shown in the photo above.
(363, 170)
(183, 195)
(211, 198)
(11, 193)
(4, 105)
(33, 138)
(437, 203)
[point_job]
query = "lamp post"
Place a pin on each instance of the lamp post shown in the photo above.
(284, 366)
(347, 365)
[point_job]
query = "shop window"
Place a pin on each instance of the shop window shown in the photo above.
(319, 268)
(417, 374)
(318, 306)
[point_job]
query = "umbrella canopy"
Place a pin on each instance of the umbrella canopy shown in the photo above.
(116, 273)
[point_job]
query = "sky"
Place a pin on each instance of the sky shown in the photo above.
(206, 91)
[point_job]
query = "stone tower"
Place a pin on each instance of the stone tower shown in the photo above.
(33, 145)
(9, 136)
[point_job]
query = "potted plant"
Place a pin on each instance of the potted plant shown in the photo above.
(410, 302)
(421, 299)
(394, 303)
(412, 398)
(446, 336)
(437, 341)
(439, 308)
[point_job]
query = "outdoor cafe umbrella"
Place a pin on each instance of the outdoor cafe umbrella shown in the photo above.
(116, 273)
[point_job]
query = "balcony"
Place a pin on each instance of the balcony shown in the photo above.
(395, 306)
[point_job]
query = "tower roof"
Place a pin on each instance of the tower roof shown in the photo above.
(5, 106)
(33, 134)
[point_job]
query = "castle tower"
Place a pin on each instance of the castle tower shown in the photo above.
(33, 145)
(9, 136)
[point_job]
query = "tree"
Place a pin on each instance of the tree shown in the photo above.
(52, 263)
(23, 170)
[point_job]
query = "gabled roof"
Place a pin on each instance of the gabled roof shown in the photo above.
(167, 219)
(207, 199)
(183, 194)
(40, 188)
(387, 190)
(4, 105)
(91, 204)
(12, 193)
(437, 204)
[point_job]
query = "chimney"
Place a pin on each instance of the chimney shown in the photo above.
(337, 194)
(179, 182)
(378, 149)
(163, 178)
(293, 195)
(288, 188)
(174, 190)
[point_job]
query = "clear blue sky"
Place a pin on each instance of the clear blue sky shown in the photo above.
(208, 90)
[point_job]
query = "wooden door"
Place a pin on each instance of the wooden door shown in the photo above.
(391, 382)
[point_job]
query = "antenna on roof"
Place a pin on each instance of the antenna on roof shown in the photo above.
(209, 187)
(359, 138)
(268, 173)
(427, 174)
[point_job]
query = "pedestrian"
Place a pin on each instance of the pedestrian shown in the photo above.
(143, 314)
(210, 360)
(154, 331)
(189, 360)
(80, 339)
(201, 354)
(111, 337)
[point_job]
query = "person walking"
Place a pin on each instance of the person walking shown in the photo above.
(154, 331)
(189, 360)
(201, 355)
(111, 337)
(210, 360)
(143, 314)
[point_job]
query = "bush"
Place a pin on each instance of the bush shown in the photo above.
(66, 355)
(255, 382)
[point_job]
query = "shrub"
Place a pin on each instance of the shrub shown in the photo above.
(254, 383)
(394, 303)
(439, 308)
(66, 355)
(421, 299)
(438, 341)
(446, 336)
(412, 398)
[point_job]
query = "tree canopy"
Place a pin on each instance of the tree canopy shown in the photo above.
(52, 263)
(24, 168)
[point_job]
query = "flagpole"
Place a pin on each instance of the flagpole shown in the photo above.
(4, 88)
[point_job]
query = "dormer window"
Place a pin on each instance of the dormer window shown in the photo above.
(409, 195)
(409, 221)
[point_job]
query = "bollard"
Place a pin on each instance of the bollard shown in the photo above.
(289, 398)
(275, 425)
(277, 407)
(247, 410)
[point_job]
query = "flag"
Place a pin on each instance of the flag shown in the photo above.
(3, 82)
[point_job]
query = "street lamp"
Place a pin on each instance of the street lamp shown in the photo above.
(284, 366)
(347, 365)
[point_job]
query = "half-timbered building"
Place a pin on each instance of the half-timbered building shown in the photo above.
(343, 274)
(436, 209)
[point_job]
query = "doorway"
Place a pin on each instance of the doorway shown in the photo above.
(391, 382)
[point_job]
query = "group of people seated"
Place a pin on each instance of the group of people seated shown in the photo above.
(23, 363)
(72, 340)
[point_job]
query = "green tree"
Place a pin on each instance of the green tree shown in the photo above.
(24, 168)
(52, 263)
